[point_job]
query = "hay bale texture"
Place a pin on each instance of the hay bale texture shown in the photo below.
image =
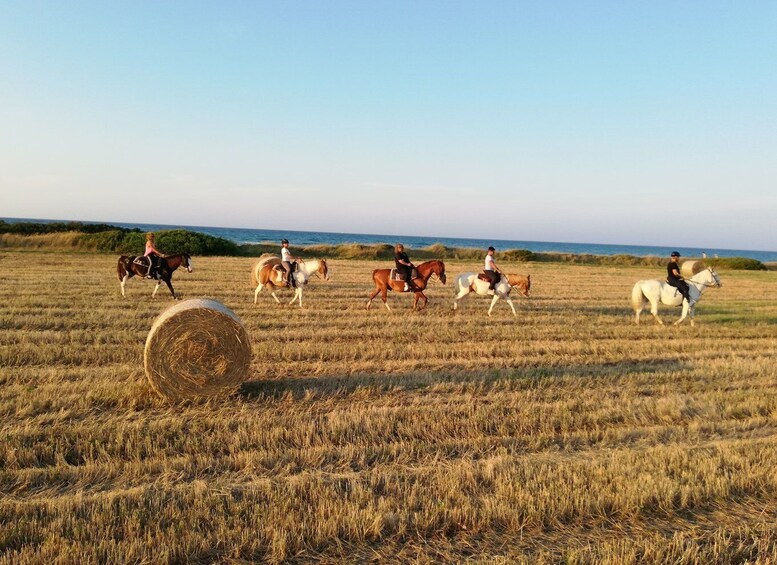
(690, 268)
(197, 348)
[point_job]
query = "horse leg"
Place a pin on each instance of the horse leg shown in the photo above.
(384, 297)
(654, 311)
(493, 301)
(462, 293)
(510, 302)
(156, 287)
(690, 314)
(257, 291)
(124, 280)
(416, 296)
(684, 314)
(170, 286)
(372, 297)
(297, 296)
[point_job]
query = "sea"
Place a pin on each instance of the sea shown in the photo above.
(303, 238)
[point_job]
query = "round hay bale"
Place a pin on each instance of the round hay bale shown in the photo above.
(197, 348)
(690, 268)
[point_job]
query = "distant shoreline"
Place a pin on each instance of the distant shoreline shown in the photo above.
(242, 236)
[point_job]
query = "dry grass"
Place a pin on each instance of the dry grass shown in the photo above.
(567, 434)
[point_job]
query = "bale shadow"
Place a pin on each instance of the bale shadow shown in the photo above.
(383, 383)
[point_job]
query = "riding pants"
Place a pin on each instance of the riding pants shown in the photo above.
(494, 276)
(287, 266)
(680, 285)
(407, 273)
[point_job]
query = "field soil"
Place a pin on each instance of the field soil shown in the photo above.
(564, 434)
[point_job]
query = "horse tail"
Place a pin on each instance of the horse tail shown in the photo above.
(456, 286)
(121, 270)
(637, 297)
(263, 260)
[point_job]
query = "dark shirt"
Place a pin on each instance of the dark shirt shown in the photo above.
(401, 256)
(672, 266)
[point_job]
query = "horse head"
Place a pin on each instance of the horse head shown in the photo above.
(186, 260)
(707, 277)
(522, 283)
(323, 270)
(438, 268)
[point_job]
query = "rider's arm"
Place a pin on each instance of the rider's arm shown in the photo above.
(677, 274)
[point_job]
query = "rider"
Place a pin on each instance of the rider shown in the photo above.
(153, 255)
(675, 279)
(491, 270)
(403, 264)
(287, 261)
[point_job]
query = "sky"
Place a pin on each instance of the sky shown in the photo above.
(648, 123)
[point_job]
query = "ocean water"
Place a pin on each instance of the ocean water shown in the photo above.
(300, 238)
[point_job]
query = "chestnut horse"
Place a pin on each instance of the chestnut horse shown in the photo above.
(425, 270)
(132, 265)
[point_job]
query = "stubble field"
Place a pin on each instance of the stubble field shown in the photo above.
(565, 434)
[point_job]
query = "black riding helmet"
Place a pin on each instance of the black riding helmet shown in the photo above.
(284, 241)
(675, 253)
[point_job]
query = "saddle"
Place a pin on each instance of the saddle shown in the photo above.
(484, 277)
(396, 275)
(279, 268)
(145, 262)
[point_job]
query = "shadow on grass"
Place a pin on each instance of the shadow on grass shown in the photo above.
(514, 378)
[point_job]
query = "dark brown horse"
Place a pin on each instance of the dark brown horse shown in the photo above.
(134, 265)
(425, 270)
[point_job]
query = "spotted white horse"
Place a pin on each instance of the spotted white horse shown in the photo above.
(469, 282)
(268, 273)
(655, 292)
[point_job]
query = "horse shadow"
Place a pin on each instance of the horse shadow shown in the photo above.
(331, 386)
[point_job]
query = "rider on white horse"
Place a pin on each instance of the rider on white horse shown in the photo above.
(675, 279)
(491, 270)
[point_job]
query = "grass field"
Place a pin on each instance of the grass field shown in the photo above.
(565, 434)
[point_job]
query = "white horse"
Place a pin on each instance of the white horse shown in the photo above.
(469, 282)
(655, 291)
(268, 272)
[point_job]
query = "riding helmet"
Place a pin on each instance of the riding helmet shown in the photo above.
(491, 248)
(675, 253)
(284, 241)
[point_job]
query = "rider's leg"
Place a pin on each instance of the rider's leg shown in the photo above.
(289, 275)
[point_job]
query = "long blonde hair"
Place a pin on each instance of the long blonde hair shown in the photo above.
(150, 236)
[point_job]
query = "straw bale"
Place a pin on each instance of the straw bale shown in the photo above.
(197, 348)
(690, 268)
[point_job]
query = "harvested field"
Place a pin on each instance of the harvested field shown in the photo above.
(565, 434)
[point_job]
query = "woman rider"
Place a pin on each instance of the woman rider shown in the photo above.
(675, 279)
(403, 265)
(491, 270)
(287, 261)
(153, 255)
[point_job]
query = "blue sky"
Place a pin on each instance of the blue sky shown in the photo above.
(612, 122)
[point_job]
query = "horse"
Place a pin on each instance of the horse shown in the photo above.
(469, 282)
(655, 291)
(269, 272)
(383, 284)
(131, 265)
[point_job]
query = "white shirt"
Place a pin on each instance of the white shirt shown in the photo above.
(490, 266)
(285, 254)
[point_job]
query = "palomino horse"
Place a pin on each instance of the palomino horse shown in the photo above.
(269, 272)
(131, 265)
(425, 270)
(469, 282)
(655, 291)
